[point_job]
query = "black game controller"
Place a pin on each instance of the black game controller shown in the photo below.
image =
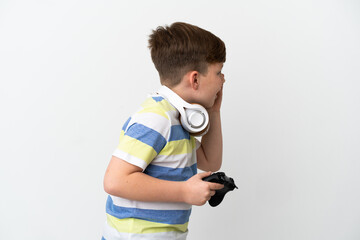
(221, 178)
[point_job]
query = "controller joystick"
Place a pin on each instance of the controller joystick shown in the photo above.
(229, 185)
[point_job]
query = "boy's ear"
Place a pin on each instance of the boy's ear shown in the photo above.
(194, 80)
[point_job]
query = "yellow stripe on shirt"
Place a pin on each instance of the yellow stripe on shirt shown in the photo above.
(179, 147)
(154, 110)
(137, 149)
(133, 225)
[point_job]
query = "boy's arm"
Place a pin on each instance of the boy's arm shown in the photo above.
(209, 154)
(125, 180)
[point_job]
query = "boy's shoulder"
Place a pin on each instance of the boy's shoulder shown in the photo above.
(156, 115)
(155, 104)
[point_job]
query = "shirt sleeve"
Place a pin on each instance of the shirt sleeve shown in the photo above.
(197, 144)
(142, 138)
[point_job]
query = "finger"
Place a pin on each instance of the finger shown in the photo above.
(219, 95)
(212, 193)
(222, 89)
(204, 174)
(215, 186)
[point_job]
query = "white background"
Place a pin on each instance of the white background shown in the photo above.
(73, 71)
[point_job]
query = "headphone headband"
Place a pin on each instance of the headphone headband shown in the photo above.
(193, 117)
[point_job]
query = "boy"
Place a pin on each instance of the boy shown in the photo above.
(152, 178)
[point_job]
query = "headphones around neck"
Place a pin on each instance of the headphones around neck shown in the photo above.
(193, 117)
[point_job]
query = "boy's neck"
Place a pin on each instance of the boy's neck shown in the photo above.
(184, 92)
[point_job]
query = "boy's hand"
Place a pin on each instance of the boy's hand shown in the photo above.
(217, 104)
(198, 192)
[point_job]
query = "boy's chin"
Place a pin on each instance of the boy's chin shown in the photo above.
(209, 105)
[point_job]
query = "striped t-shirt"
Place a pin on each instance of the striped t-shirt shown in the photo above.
(153, 140)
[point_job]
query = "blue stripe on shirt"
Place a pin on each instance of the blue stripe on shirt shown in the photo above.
(126, 124)
(171, 174)
(159, 216)
(158, 99)
(147, 136)
(177, 132)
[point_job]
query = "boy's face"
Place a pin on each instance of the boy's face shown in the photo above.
(211, 84)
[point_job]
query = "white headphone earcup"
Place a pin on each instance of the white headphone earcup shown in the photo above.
(193, 117)
(203, 132)
(191, 130)
(196, 120)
